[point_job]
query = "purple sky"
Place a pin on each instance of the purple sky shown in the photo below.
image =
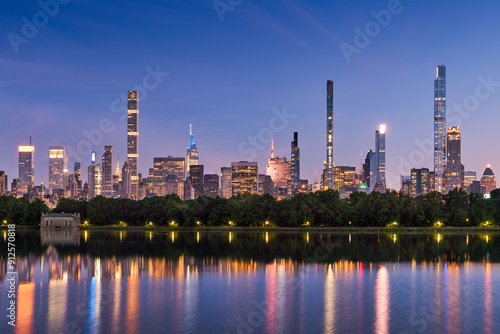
(227, 76)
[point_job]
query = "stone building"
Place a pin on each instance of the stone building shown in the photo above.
(60, 220)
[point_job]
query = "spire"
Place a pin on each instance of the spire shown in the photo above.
(272, 148)
(192, 144)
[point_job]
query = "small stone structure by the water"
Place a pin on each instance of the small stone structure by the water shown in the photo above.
(60, 220)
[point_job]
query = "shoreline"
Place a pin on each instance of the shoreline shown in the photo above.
(277, 229)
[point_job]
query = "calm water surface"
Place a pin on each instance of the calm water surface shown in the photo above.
(241, 282)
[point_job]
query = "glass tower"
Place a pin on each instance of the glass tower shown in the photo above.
(380, 158)
(295, 157)
(132, 140)
(439, 126)
(329, 134)
(107, 171)
(454, 170)
(192, 152)
(58, 165)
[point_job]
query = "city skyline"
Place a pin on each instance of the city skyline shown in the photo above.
(41, 94)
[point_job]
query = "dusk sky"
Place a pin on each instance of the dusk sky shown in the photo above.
(227, 76)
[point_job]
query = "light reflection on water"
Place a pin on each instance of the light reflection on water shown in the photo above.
(174, 289)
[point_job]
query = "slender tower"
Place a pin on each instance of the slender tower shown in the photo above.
(192, 152)
(329, 134)
(295, 157)
(132, 141)
(439, 126)
(380, 157)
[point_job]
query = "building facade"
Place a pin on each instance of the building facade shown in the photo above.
(454, 170)
(488, 181)
(58, 165)
(132, 140)
(59, 220)
(244, 177)
(225, 182)
(439, 127)
(26, 169)
(3, 183)
(295, 161)
(329, 136)
(107, 171)
(162, 168)
(211, 185)
(419, 181)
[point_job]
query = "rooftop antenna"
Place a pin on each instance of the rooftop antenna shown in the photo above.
(272, 148)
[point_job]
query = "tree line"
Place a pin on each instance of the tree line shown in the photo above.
(322, 208)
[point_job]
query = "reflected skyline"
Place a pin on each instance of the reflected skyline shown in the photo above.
(113, 293)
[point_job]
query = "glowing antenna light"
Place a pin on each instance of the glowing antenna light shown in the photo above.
(382, 129)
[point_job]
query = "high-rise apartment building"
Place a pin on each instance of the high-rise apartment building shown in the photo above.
(107, 171)
(58, 165)
(244, 177)
(132, 140)
(419, 181)
(329, 135)
(439, 127)
(225, 182)
(295, 161)
(192, 152)
(454, 170)
(126, 182)
(369, 169)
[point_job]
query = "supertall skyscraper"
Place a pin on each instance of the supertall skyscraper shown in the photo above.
(380, 158)
(58, 165)
(439, 126)
(192, 152)
(107, 171)
(454, 170)
(132, 140)
(329, 134)
(295, 157)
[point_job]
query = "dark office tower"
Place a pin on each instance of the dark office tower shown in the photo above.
(405, 185)
(454, 170)
(211, 185)
(132, 141)
(420, 181)
(366, 167)
(439, 127)
(329, 134)
(26, 168)
(107, 171)
(192, 151)
(126, 180)
(295, 157)
(196, 173)
(77, 170)
(3, 183)
(225, 182)
(380, 185)
(58, 165)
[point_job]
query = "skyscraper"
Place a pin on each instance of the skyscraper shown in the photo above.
(369, 169)
(439, 126)
(107, 171)
(488, 181)
(295, 163)
(3, 183)
(26, 168)
(196, 173)
(419, 181)
(165, 167)
(469, 178)
(77, 170)
(192, 151)
(211, 185)
(244, 177)
(126, 182)
(132, 140)
(454, 170)
(225, 182)
(94, 177)
(58, 165)
(329, 135)
(380, 185)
